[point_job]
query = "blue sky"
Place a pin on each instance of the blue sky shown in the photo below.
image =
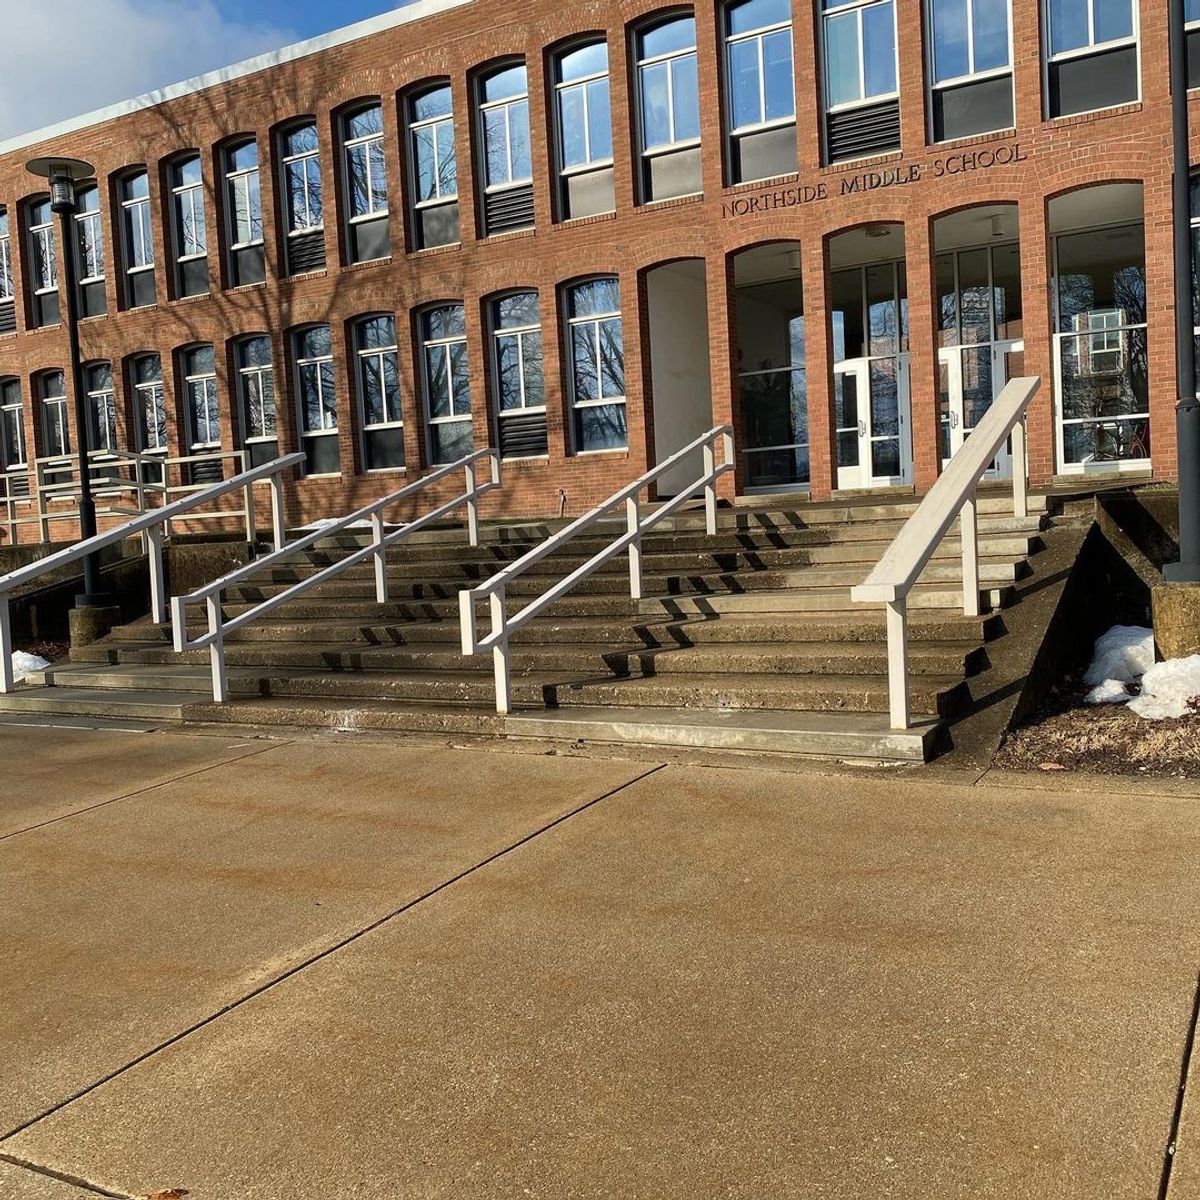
(114, 49)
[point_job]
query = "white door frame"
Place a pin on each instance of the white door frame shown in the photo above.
(951, 358)
(861, 476)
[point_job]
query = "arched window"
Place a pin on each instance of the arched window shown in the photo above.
(366, 191)
(150, 402)
(243, 207)
(596, 357)
(669, 100)
(303, 197)
(585, 142)
(379, 392)
(507, 167)
(89, 251)
(446, 376)
(43, 261)
(12, 426)
(434, 167)
(8, 307)
(101, 407)
(256, 395)
(200, 388)
(137, 235)
(519, 385)
(52, 392)
(190, 226)
(316, 394)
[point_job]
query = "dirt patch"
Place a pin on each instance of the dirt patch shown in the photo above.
(50, 651)
(1106, 738)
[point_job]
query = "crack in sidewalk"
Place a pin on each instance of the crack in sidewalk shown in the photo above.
(1189, 1050)
(93, 1189)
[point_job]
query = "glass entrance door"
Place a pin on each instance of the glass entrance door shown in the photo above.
(970, 378)
(871, 407)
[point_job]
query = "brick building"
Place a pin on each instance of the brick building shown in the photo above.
(587, 232)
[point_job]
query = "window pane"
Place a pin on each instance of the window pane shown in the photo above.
(518, 132)
(570, 107)
(515, 311)
(778, 81)
(301, 141)
(583, 357)
(432, 104)
(316, 202)
(505, 84)
(1191, 10)
(508, 365)
(599, 120)
(364, 124)
(377, 334)
(148, 369)
(755, 14)
(447, 163)
(881, 310)
(446, 322)
(1114, 19)
(1068, 25)
(587, 60)
(991, 36)
(438, 378)
(534, 382)
(679, 34)
(687, 98)
(950, 50)
(841, 58)
(460, 374)
(187, 172)
(612, 359)
(975, 297)
(1102, 272)
(596, 296)
(495, 136)
(201, 361)
(879, 49)
(423, 143)
(372, 379)
(243, 157)
(601, 427)
(356, 159)
(743, 83)
(656, 116)
(378, 177)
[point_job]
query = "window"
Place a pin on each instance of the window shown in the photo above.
(861, 103)
(596, 349)
(1092, 59)
(89, 251)
(971, 67)
(6, 271)
(366, 183)
(138, 235)
(12, 431)
(200, 385)
(190, 227)
(447, 377)
(101, 407)
(585, 144)
(434, 167)
(56, 438)
(520, 390)
(243, 197)
(317, 396)
(1191, 24)
(1103, 350)
(303, 198)
(379, 393)
(150, 402)
(669, 97)
(43, 261)
(507, 158)
(761, 86)
(256, 392)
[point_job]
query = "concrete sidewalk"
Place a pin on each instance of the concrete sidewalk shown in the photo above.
(334, 968)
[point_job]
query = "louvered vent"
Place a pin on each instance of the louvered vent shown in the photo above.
(523, 435)
(508, 210)
(861, 132)
(306, 252)
(8, 318)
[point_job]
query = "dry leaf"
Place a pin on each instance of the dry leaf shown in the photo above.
(1048, 766)
(169, 1194)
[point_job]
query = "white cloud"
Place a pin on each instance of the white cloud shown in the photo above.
(110, 50)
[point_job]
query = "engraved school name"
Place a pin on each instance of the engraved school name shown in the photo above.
(872, 181)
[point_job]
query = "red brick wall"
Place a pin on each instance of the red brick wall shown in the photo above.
(1128, 144)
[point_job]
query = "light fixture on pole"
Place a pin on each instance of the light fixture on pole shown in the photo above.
(64, 174)
(1187, 411)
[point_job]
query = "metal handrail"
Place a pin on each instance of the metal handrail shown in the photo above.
(504, 625)
(152, 525)
(952, 497)
(210, 595)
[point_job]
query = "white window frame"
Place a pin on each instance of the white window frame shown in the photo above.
(508, 103)
(314, 361)
(443, 344)
(972, 75)
(106, 433)
(349, 145)
(258, 373)
(290, 160)
(144, 224)
(236, 180)
(7, 284)
(857, 8)
(17, 407)
(759, 35)
(582, 83)
(602, 401)
(207, 380)
(157, 390)
(520, 332)
(1105, 335)
(189, 193)
(59, 401)
(361, 355)
(1092, 46)
(43, 251)
(1191, 27)
(670, 58)
(89, 242)
(415, 129)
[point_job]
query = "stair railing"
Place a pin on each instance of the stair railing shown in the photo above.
(154, 528)
(953, 497)
(219, 628)
(628, 499)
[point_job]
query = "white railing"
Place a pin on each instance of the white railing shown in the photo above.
(219, 628)
(953, 497)
(628, 498)
(154, 528)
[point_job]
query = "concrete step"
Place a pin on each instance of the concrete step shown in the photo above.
(133, 703)
(815, 599)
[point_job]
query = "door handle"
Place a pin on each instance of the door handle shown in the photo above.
(953, 419)
(862, 429)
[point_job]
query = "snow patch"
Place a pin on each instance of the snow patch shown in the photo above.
(1111, 691)
(330, 522)
(1169, 690)
(1124, 654)
(25, 664)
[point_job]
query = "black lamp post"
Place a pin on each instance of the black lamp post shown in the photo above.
(1187, 411)
(64, 174)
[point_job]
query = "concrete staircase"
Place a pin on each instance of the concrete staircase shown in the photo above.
(749, 640)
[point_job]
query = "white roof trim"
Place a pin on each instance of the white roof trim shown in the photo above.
(414, 11)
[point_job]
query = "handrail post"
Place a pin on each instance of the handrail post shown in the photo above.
(472, 507)
(897, 652)
(278, 524)
(969, 522)
(216, 651)
(154, 551)
(633, 522)
(251, 531)
(381, 579)
(500, 663)
(1020, 469)
(710, 488)
(467, 623)
(43, 520)
(7, 675)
